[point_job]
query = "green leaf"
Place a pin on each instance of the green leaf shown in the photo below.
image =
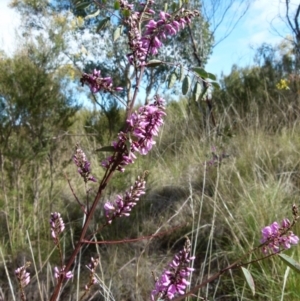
(186, 85)
(215, 85)
(249, 279)
(82, 5)
(126, 13)
(181, 73)
(165, 7)
(102, 24)
(203, 73)
(95, 14)
(199, 71)
(117, 32)
(117, 5)
(197, 91)
(211, 76)
(154, 63)
(172, 79)
(174, 7)
(289, 261)
(108, 148)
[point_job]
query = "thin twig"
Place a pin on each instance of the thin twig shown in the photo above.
(205, 83)
(79, 203)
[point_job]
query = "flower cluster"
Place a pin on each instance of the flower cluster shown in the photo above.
(282, 85)
(23, 276)
(84, 166)
(98, 83)
(92, 266)
(143, 125)
(151, 39)
(167, 25)
(123, 205)
(124, 5)
(275, 237)
(57, 225)
(175, 280)
(139, 54)
(124, 155)
(58, 273)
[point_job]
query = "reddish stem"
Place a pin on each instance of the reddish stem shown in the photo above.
(89, 216)
(106, 178)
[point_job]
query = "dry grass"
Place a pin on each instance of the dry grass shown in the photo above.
(222, 208)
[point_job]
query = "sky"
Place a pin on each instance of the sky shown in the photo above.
(261, 23)
(9, 22)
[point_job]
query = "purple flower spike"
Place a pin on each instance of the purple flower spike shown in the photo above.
(98, 83)
(123, 205)
(276, 238)
(174, 281)
(151, 39)
(143, 125)
(84, 166)
(92, 267)
(23, 276)
(58, 273)
(93, 264)
(57, 225)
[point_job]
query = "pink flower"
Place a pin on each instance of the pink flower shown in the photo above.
(98, 83)
(93, 280)
(84, 166)
(57, 225)
(123, 205)
(174, 281)
(275, 237)
(151, 39)
(22, 275)
(125, 5)
(143, 125)
(58, 273)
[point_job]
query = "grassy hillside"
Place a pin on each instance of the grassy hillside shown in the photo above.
(219, 187)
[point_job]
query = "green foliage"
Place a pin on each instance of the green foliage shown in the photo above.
(105, 124)
(34, 108)
(35, 113)
(101, 26)
(256, 90)
(290, 262)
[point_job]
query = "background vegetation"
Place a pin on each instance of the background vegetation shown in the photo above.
(217, 182)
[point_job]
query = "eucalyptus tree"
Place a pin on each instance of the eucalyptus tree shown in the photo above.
(94, 27)
(97, 31)
(292, 18)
